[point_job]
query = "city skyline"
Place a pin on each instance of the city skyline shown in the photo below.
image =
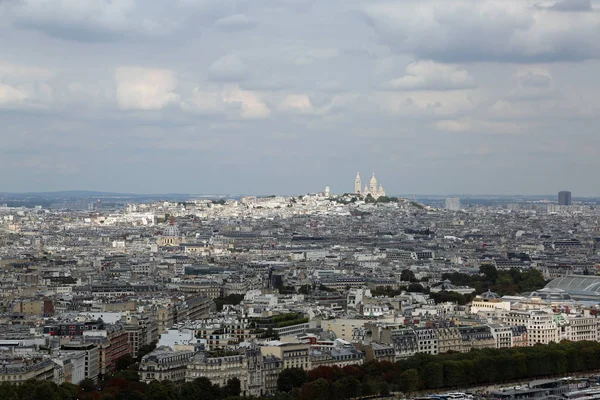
(238, 97)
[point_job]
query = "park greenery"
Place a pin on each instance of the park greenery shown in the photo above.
(231, 299)
(422, 372)
(507, 282)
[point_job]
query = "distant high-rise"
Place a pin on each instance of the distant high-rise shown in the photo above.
(564, 198)
(453, 203)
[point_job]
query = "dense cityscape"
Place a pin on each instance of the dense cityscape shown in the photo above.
(299, 200)
(269, 296)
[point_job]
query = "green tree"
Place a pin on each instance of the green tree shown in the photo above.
(291, 378)
(129, 394)
(8, 391)
(161, 391)
(232, 388)
(67, 391)
(407, 276)
(34, 390)
(453, 374)
(232, 299)
(368, 387)
(490, 273)
(433, 376)
(87, 385)
(145, 349)
(124, 362)
(409, 381)
(383, 388)
(128, 375)
(304, 289)
(347, 387)
(416, 288)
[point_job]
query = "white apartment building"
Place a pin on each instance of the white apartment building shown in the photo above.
(541, 326)
(427, 341)
(582, 328)
(503, 335)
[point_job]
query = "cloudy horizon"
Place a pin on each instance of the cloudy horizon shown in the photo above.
(288, 96)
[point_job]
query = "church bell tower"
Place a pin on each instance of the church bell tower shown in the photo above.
(357, 184)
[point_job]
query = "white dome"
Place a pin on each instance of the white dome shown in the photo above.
(373, 181)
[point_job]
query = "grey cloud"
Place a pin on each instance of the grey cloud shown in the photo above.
(236, 22)
(193, 96)
(536, 80)
(572, 5)
(472, 31)
(91, 21)
(108, 21)
(229, 68)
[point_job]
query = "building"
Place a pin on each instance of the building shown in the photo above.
(477, 337)
(293, 355)
(378, 352)
(218, 369)
(427, 341)
(164, 364)
(141, 331)
(374, 189)
(357, 184)
(452, 203)
(113, 343)
(404, 342)
(447, 286)
(541, 326)
(579, 287)
(487, 303)
(73, 364)
(503, 335)
(449, 339)
(564, 198)
(257, 373)
(17, 370)
(91, 358)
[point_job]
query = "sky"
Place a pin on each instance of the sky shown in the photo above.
(288, 96)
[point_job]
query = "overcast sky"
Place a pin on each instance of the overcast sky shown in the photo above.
(287, 96)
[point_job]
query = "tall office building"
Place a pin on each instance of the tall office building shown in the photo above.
(453, 203)
(564, 198)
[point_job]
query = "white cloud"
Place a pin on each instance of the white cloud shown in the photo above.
(251, 104)
(429, 75)
(145, 88)
(24, 86)
(473, 125)
(428, 104)
(24, 72)
(228, 101)
(229, 68)
(10, 96)
(298, 103)
(205, 102)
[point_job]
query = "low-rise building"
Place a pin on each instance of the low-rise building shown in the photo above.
(164, 364)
